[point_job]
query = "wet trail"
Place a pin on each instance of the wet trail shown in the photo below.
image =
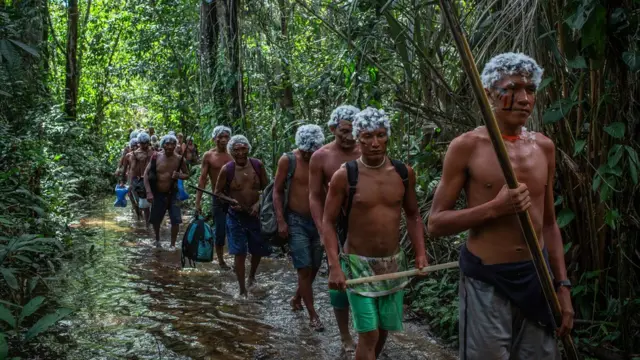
(135, 302)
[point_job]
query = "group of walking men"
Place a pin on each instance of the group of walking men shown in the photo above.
(346, 197)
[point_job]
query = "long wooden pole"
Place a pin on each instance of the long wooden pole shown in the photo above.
(412, 272)
(496, 139)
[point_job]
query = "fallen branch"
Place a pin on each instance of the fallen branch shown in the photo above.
(414, 272)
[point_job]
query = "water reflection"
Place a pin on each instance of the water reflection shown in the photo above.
(135, 302)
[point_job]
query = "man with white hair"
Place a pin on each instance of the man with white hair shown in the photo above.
(323, 164)
(139, 161)
(496, 268)
(295, 221)
(161, 182)
(125, 169)
(212, 162)
(239, 183)
(375, 189)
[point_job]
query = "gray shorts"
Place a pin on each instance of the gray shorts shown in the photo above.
(492, 328)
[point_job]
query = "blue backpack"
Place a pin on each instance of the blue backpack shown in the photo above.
(197, 243)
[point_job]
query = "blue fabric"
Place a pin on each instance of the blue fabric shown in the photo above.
(182, 194)
(304, 241)
(219, 210)
(516, 281)
(159, 208)
(121, 196)
(243, 231)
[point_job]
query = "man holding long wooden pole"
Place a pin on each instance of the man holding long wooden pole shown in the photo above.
(503, 311)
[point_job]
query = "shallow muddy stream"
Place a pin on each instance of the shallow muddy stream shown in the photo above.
(135, 302)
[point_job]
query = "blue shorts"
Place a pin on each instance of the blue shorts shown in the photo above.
(159, 208)
(219, 210)
(304, 241)
(243, 231)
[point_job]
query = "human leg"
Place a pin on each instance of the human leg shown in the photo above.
(366, 321)
(238, 248)
(175, 216)
(220, 218)
(257, 246)
(156, 215)
(485, 321)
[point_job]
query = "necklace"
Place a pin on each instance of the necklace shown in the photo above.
(384, 160)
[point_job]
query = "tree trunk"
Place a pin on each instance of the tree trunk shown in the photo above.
(71, 83)
(208, 48)
(286, 100)
(234, 60)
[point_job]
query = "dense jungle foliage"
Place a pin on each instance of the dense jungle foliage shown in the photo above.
(78, 75)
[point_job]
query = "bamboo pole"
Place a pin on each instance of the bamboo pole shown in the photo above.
(413, 272)
(494, 133)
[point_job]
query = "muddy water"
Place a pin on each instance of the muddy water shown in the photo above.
(136, 302)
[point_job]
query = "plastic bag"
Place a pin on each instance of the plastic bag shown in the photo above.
(182, 194)
(121, 196)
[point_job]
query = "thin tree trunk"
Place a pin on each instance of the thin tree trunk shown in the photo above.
(71, 83)
(286, 101)
(234, 59)
(208, 48)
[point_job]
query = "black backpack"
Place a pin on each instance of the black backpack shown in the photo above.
(352, 177)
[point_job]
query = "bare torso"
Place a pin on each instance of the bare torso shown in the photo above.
(140, 159)
(333, 158)
(215, 161)
(245, 186)
(374, 221)
(502, 240)
(299, 192)
(165, 166)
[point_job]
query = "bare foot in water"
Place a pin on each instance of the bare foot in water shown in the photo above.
(224, 266)
(251, 282)
(348, 345)
(316, 324)
(296, 303)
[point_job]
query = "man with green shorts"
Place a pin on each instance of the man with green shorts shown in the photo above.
(372, 191)
(323, 164)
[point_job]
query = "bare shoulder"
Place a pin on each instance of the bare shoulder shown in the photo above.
(545, 143)
(466, 142)
(340, 176)
(207, 155)
(318, 155)
(410, 172)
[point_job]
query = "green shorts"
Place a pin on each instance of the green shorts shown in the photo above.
(373, 313)
(339, 299)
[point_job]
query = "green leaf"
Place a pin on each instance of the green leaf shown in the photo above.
(579, 146)
(6, 316)
(633, 155)
(615, 154)
(565, 216)
(25, 47)
(611, 218)
(593, 33)
(46, 322)
(10, 278)
(632, 59)
(558, 201)
(577, 20)
(558, 110)
(567, 247)
(633, 171)
(32, 306)
(4, 347)
(544, 83)
(578, 63)
(615, 129)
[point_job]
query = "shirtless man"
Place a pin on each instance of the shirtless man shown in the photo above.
(190, 152)
(124, 171)
(212, 162)
(373, 239)
(166, 167)
(496, 268)
(240, 183)
(295, 221)
(324, 163)
(139, 161)
(180, 138)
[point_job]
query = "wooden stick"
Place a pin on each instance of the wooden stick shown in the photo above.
(428, 269)
(531, 239)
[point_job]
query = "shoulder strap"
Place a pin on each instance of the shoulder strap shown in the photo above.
(292, 166)
(230, 169)
(256, 164)
(403, 171)
(352, 177)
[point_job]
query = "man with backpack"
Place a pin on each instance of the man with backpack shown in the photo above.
(323, 164)
(239, 183)
(139, 162)
(291, 203)
(161, 182)
(212, 162)
(375, 189)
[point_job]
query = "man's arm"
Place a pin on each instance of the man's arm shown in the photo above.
(415, 228)
(316, 190)
(278, 188)
(133, 162)
(553, 240)
(184, 171)
(146, 180)
(443, 220)
(332, 206)
(204, 177)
